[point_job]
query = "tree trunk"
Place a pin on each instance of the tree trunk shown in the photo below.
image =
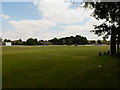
(113, 42)
(117, 45)
(118, 42)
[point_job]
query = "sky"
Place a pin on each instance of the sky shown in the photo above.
(45, 20)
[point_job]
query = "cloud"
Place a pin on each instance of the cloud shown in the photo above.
(54, 14)
(28, 28)
(41, 29)
(32, 25)
(58, 11)
(84, 30)
(5, 17)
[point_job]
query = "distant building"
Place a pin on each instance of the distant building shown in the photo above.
(8, 44)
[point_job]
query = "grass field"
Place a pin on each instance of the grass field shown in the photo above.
(58, 67)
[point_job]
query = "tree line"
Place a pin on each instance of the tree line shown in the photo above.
(29, 41)
(72, 40)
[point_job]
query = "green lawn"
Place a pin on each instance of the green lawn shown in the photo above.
(58, 67)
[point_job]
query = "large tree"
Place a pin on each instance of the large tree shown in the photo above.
(110, 11)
